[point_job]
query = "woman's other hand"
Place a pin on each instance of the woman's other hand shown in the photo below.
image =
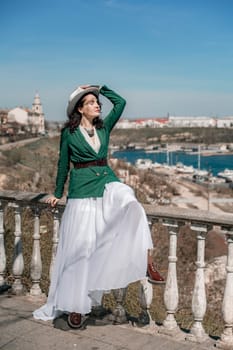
(52, 200)
(90, 86)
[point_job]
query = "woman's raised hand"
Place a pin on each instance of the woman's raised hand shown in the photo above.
(89, 86)
(85, 86)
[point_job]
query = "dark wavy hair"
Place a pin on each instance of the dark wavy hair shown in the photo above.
(75, 117)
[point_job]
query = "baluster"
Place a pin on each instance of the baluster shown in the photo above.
(56, 222)
(146, 290)
(36, 263)
(171, 295)
(150, 223)
(18, 262)
(119, 314)
(199, 294)
(226, 341)
(146, 297)
(2, 246)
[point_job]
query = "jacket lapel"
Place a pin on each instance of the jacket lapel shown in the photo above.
(85, 144)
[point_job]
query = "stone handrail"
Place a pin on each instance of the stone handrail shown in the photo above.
(201, 222)
(173, 218)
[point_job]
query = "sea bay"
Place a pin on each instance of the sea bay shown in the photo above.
(213, 163)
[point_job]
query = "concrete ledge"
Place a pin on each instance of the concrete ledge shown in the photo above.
(19, 331)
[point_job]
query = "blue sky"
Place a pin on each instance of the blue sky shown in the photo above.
(163, 56)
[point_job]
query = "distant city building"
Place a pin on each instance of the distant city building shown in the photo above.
(191, 122)
(124, 124)
(177, 122)
(18, 115)
(33, 120)
(141, 123)
(151, 123)
(225, 122)
(23, 120)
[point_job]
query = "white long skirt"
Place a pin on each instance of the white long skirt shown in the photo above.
(103, 245)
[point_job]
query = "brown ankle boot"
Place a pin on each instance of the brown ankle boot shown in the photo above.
(153, 275)
(74, 320)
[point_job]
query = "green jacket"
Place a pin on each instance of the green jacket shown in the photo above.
(87, 182)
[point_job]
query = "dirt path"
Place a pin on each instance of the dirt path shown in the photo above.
(11, 145)
(194, 196)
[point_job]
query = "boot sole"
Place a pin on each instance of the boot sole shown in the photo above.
(155, 282)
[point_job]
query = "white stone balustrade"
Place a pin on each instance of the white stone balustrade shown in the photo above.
(2, 247)
(36, 263)
(146, 297)
(199, 294)
(18, 262)
(56, 223)
(173, 218)
(226, 341)
(119, 314)
(171, 295)
(201, 222)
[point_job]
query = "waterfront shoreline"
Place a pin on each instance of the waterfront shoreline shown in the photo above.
(214, 162)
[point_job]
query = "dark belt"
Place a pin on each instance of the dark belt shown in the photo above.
(99, 162)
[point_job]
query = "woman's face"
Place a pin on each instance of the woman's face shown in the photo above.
(90, 107)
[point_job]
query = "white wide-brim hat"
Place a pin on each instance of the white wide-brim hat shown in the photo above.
(77, 94)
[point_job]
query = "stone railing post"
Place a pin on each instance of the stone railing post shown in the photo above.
(2, 246)
(198, 333)
(146, 297)
(56, 223)
(36, 263)
(150, 223)
(226, 341)
(119, 314)
(18, 262)
(171, 295)
(146, 289)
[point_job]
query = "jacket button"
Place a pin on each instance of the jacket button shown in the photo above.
(105, 173)
(97, 174)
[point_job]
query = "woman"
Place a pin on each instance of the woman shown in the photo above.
(104, 234)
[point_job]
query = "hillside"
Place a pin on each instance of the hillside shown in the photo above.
(31, 167)
(172, 135)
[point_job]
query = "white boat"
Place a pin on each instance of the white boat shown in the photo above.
(216, 180)
(184, 169)
(201, 175)
(148, 164)
(227, 174)
(156, 165)
(152, 151)
(143, 163)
